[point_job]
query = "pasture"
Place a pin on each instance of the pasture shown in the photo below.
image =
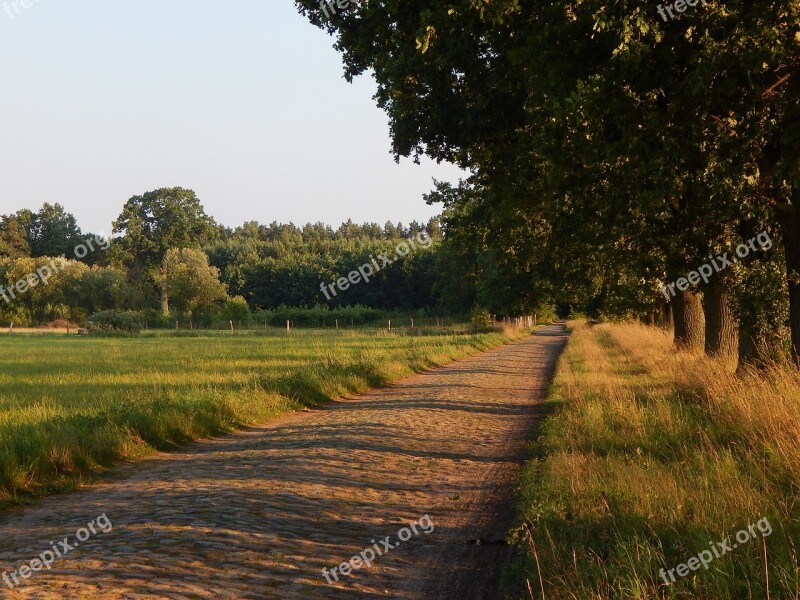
(71, 407)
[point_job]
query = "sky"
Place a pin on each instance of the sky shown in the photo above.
(243, 101)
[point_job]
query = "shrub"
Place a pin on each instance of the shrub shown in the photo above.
(481, 319)
(236, 310)
(546, 313)
(110, 321)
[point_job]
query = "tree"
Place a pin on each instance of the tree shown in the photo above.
(85, 290)
(13, 237)
(671, 136)
(187, 279)
(53, 232)
(29, 286)
(156, 222)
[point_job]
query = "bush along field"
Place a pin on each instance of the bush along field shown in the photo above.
(660, 474)
(72, 406)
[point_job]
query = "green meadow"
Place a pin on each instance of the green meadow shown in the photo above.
(71, 407)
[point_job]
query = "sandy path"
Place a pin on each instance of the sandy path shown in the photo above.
(260, 513)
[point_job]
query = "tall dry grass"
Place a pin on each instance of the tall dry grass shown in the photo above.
(651, 455)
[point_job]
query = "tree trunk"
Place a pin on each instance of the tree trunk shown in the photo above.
(790, 227)
(164, 302)
(689, 320)
(667, 320)
(750, 352)
(722, 326)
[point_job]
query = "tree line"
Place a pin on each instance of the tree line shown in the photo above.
(610, 152)
(167, 260)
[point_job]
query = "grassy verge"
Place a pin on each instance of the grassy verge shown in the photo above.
(652, 457)
(71, 407)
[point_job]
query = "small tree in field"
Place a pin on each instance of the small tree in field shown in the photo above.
(237, 310)
(190, 282)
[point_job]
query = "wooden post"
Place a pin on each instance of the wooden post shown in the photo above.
(390, 325)
(412, 323)
(288, 326)
(337, 324)
(231, 322)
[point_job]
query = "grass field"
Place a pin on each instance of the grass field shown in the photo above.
(72, 406)
(653, 456)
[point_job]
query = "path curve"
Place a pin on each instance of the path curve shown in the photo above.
(260, 513)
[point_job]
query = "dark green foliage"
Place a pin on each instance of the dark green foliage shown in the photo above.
(109, 321)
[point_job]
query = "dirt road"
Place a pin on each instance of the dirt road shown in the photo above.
(261, 513)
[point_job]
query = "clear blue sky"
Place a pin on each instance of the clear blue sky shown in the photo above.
(242, 101)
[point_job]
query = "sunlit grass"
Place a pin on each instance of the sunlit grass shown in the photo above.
(651, 455)
(71, 407)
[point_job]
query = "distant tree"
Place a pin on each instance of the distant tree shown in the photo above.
(156, 222)
(85, 290)
(391, 231)
(189, 281)
(28, 292)
(14, 236)
(53, 232)
(236, 310)
(71, 292)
